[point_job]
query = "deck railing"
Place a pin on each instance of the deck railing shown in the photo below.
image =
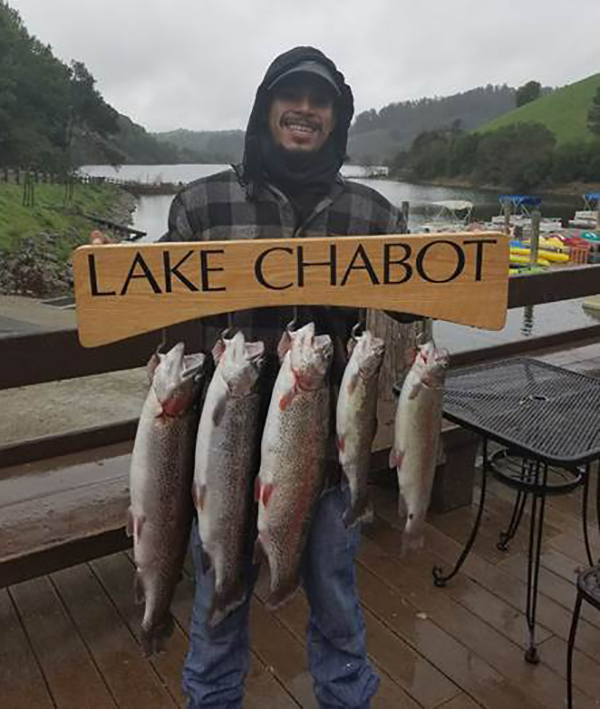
(54, 355)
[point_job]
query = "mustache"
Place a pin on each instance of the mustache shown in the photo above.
(291, 116)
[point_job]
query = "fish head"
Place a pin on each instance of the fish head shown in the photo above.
(240, 364)
(310, 355)
(433, 362)
(176, 380)
(368, 353)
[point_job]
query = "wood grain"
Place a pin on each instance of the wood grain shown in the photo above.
(125, 290)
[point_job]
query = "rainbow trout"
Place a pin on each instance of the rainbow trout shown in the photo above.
(293, 457)
(226, 462)
(162, 469)
(416, 437)
(356, 420)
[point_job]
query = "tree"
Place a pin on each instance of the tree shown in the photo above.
(518, 156)
(89, 114)
(528, 92)
(593, 116)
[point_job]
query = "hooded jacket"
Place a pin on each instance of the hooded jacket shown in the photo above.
(327, 163)
(243, 203)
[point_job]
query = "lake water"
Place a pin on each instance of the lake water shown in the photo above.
(522, 323)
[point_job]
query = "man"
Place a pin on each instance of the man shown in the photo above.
(289, 185)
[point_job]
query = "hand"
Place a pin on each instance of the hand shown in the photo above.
(97, 238)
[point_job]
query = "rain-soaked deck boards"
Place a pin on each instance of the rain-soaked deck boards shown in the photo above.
(70, 640)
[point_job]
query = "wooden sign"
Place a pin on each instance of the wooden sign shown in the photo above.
(125, 290)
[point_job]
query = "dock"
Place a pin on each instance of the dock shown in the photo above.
(70, 639)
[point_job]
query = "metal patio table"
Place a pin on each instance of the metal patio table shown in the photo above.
(548, 421)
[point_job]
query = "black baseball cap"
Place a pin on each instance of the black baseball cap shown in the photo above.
(308, 66)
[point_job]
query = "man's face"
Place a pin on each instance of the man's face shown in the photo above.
(302, 113)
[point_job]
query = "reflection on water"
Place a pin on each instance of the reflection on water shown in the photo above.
(531, 321)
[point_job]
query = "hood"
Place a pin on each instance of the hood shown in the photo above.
(257, 124)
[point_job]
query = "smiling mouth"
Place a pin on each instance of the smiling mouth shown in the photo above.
(300, 125)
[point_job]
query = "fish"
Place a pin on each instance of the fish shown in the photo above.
(294, 449)
(356, 421)
(161, 473)
(226, 466)
(417, 429)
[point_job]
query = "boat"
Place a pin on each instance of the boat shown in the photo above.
(519, 210)
(588, 217)
(449, 215)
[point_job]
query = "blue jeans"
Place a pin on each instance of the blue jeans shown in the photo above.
(217, 662)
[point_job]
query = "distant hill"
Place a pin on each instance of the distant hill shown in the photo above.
(132, 145)
(376, 136)
(223, 146)
(563, 112)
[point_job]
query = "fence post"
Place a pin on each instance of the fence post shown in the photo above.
(506, 209)
(536, 217)
(405, 211)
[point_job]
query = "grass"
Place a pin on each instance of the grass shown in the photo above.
(18, 222)
(564, 112)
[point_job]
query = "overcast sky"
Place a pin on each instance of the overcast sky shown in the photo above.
(196, 63)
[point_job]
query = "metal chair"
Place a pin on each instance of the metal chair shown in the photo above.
(588, 589)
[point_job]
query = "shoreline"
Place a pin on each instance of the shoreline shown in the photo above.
(39, 265)
(570, 189)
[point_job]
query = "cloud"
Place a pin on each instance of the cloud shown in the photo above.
(196, 63)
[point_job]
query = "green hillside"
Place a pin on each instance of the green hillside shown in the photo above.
(563, 112)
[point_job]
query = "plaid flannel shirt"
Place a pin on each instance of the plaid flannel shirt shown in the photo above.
(216, 208)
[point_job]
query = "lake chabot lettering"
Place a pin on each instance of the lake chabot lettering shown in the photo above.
(398, 262)
(457, 277)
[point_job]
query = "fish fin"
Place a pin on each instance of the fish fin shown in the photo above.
(139, 595)
(360, 511)
(257, 489)
(255, 350)
(352, 383)
(265, 493)
(134, 525)
(199, 495)
(154, 639)
(283, 593)
(219, 410)
(286, 399)
(402, 507)
(259, 552)
(396, 458)
(225, 601)
(340, 442)
(284, 345)
(153, 363)
(413, 537)
(414, 392)
(218, 350)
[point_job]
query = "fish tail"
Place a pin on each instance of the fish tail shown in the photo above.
(360, 510)
(282, 592)
(226, 600)
(153, 637)
(413, 537)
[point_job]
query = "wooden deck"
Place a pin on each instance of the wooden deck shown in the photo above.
(69, 640)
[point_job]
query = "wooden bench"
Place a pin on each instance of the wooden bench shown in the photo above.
(62, 511)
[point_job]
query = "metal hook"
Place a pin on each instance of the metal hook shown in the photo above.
(163, 341)
(229, 331)
(361, 324)
(292, 326)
